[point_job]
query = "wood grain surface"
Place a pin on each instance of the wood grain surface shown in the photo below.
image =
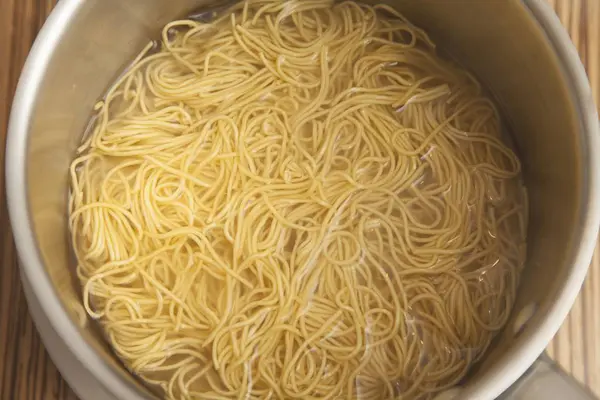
(27, 373)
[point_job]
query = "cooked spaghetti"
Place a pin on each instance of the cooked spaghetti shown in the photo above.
(297, 200)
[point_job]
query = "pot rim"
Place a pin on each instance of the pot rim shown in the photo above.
(505, 374)
(33, 270)
(31, 264)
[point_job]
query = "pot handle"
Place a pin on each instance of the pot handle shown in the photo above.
(544, 380)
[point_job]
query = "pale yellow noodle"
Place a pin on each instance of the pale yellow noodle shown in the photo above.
(297, 200)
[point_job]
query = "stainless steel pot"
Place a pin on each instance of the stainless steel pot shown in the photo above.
(518, 48)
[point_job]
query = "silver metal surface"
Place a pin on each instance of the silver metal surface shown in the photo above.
(518, 48)
(78, 376)
(545, 381)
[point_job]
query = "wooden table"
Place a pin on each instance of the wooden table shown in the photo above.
(26, 371)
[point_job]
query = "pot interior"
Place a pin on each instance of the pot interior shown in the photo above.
(499, 41)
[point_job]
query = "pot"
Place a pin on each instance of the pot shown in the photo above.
(516, 47)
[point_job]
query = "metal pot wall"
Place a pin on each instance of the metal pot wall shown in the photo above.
(517, 48)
